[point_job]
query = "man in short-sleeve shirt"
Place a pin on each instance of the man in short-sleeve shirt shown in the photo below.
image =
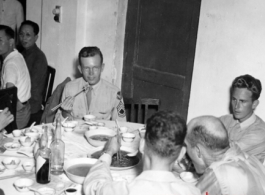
(100, 98)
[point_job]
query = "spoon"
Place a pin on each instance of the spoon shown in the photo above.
(32, 125)
(25, 153)
(64, 120)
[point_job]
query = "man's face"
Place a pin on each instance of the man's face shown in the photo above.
(194, 155)
(27, 36)
(91, 68)
(242, 104)
(5, 44)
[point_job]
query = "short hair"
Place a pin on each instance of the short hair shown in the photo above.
(214, 137)
(249, 82)
(165, 133)
(8, 30)
(89, 52)
(34, 25)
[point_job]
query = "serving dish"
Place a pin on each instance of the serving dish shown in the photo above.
(98, 137)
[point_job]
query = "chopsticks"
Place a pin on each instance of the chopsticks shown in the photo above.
(119, 137)
(58, 106)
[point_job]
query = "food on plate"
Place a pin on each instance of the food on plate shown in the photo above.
(100, 137)
(27, 139)
(80, 169)
(125, 161)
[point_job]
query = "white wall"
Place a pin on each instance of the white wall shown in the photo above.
(84, 23)
(231, 42)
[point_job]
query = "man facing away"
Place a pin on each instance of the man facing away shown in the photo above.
(101, 98)
(36, 62)
(15, 73)
(164, 137)
(224, 169)
(245, 128)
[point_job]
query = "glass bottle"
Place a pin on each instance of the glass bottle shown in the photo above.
(43, 156)
(57, 150)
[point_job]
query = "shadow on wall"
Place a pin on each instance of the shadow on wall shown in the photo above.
(76, 73)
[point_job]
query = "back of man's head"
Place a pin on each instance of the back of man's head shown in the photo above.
(9, 31)
(208, 131)
(34, 25)
(165, 134)
(250, 83)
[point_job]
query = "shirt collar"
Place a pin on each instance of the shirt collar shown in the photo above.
(95, 87)
(248, 122)
(10, 55)
(164, 176)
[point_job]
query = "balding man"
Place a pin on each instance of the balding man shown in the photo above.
(224, 169)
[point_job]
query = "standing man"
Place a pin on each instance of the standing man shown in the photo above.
(164, 138)
(101, 98)
(15, 73)
(245, 128)
(37, 65)
(225, 169)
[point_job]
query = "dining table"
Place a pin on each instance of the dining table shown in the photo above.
(76, 146)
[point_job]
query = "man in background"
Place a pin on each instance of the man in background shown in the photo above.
(100, 98)
(164, 138)
(37, 65)
(224, 169)
(245, 128)
(15, 73)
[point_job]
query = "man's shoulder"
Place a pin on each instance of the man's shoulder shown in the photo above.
(227, 118)
(107, 86)
(74, 83)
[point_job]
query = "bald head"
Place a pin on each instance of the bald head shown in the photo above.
(208, 131)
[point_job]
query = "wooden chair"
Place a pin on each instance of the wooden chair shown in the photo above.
(8, 98)
(139, 111)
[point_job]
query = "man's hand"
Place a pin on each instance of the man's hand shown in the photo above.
(5, 118)
(112, 146)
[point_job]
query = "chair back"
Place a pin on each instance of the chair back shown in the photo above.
(8, 98)
(139, 110)
(47, 92)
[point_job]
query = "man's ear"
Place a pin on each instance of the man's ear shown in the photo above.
(198, 151)
(36, 37)
(11, 42)
(80, 68)
(182, 153)
(255, 104)
(102, 67)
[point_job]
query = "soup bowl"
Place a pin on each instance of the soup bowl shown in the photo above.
(77, 169)
(98, 137)
(69, 125)
(26, 141)
(23, 184)
(11, 162)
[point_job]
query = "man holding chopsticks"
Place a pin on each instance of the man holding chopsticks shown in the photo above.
(91, 94)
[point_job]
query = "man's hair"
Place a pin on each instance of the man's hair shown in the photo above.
(165, 133)
(34, 25)
(89, 52)
(210, 132)
(9, 31)
(249, 82)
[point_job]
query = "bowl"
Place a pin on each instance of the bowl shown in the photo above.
(23, 184)
(45, 191)
(26, 141)
(69, 125)
(128, 137)
(2, 168)
(99, 136)
(17, 133)
(34, 135)
(92, 127)
(89, 117)
(123, 129)
(188, 177)
(11, 162)
(28, 166)
(70, 191)
(13, 146)
(77, 169)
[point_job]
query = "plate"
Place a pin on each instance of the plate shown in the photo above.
(13, 146)
(100, 131)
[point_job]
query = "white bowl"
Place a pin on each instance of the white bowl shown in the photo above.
(188, 177)
(28, 166)
(123, 129)
(26, 141)
(69, 125)
(13, 146)
(96, 137)
(45, 191)
(2, 168)
(17, 133)
(23, 184)
(11, 162)
(70, 166)
(89, 117)
(128, 137)
(34, 135)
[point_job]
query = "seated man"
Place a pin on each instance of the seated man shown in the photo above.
(101, 98)
(164, 137)
(243, 126)
(36, 62)
(224, 169)
(15, 73)
(5, 118)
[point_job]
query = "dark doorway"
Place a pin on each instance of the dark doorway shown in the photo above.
(24, 5)
(159, 50)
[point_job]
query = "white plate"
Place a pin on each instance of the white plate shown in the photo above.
(99, 131)
(13, 146)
